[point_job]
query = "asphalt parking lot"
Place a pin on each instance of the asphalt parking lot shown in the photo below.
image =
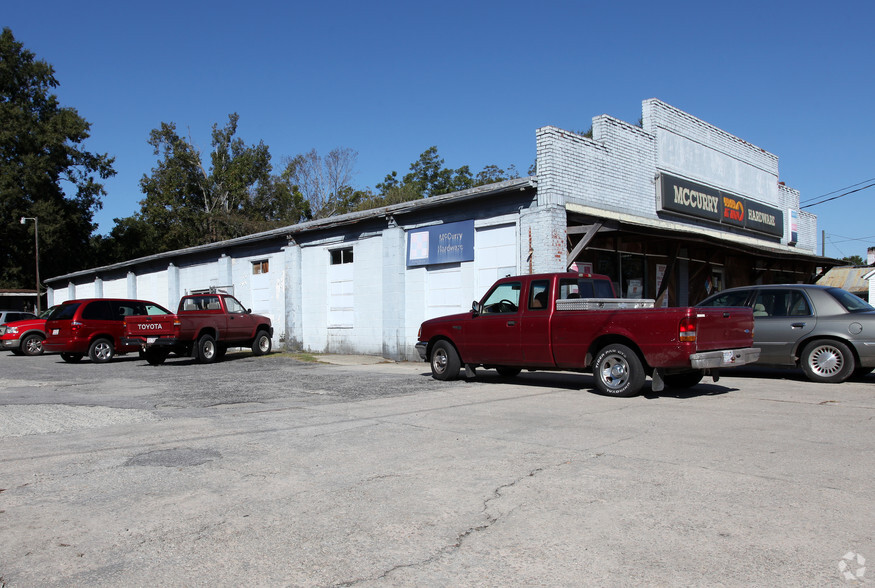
(273, 472)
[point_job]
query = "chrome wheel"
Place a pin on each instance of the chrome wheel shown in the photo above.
(32, 345)
(445, 362)
(614, 371)
(261, 344)
(618, 371)
(101, 351)
(439, 361)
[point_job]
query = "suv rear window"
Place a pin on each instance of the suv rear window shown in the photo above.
(99, 310)
(64, 312)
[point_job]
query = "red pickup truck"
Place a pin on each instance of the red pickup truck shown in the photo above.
(571, 321)
(204, 326)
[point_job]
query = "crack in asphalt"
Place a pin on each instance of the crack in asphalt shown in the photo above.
(461, 538)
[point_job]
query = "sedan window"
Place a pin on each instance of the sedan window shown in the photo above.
(781, 303)
(851, 302)
(734, 298)
(799, 304)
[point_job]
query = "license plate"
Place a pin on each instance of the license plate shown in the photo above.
(151, 339)
(728, 357)
(55, 331)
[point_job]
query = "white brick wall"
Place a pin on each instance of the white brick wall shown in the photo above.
(616, 169)
(542, 245)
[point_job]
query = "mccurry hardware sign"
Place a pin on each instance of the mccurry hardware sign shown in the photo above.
(683, 197)
(446, 243)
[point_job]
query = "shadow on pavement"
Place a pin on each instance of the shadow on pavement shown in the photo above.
(579, 381)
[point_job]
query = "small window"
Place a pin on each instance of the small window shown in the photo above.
(260, 267)
(99, 310)
(538, 295)
(197, 303)
(234, 306)
(121, 309)
(339, 256)
(504, 299)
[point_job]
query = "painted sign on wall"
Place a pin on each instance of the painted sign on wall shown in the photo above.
(447, 243)
(793, 229)
(688, 198)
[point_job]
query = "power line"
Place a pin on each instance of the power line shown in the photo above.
(846, 239)
(839, 190)
(837, 197)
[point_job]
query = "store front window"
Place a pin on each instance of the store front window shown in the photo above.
(632, 269)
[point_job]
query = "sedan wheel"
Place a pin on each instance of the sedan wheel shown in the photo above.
(827, 361)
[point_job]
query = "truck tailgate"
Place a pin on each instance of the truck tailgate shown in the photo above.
(723, 328)
(157, 325)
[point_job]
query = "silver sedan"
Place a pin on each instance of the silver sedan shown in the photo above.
(828, 332)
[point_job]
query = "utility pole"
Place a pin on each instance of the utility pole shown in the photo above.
(24, 220)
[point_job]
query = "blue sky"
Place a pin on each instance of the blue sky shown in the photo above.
(390, 79)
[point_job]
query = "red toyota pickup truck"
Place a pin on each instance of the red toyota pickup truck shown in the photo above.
(571, 321)
(204, 326)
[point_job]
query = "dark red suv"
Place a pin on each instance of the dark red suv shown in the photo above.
(93, 326)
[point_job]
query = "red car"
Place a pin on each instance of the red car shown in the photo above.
(93, 327)
(25, 337)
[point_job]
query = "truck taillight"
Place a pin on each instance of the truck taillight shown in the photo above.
(177, 322)
(687, 330)
(419, 334)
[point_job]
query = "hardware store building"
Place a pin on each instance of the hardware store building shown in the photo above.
(673, 209)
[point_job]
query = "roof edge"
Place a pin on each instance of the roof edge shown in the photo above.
(349, 218)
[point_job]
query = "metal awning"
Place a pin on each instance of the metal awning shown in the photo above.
(663, 228)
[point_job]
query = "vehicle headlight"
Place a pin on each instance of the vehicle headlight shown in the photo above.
(12, 330)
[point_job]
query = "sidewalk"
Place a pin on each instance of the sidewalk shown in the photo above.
(353, 359)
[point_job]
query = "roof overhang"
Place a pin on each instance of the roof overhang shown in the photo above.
(700, 233)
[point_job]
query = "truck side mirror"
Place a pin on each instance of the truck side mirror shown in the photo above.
(475, 308)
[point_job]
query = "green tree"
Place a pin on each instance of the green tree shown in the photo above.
(187, 203)
(45, 172)
(854, 260)
(429, 177)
